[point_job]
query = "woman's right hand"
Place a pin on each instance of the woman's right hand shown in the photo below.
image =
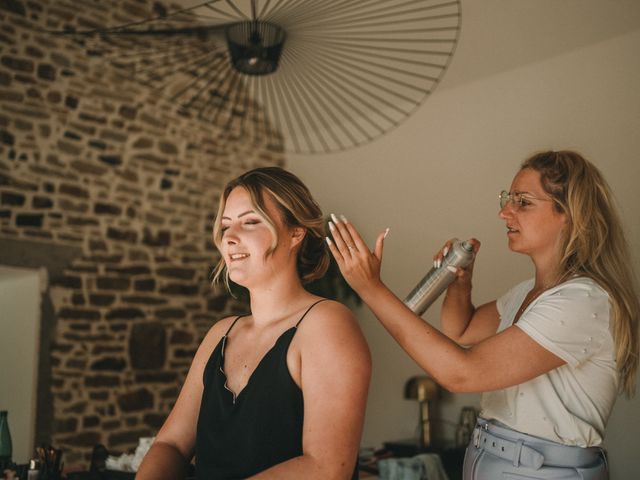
(462, 283)
(359, 266)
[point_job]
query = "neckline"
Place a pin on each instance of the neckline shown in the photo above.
(236, 396)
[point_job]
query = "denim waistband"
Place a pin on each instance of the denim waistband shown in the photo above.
(530, 451)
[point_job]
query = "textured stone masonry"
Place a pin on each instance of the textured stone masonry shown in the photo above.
(96, 161)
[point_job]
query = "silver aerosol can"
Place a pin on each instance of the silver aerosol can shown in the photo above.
(438, 279)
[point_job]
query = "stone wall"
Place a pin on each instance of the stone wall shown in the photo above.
(92, 160)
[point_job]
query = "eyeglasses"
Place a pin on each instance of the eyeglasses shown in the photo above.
(517, 199)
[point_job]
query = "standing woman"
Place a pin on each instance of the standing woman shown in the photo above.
(550, 355)
(281, 392)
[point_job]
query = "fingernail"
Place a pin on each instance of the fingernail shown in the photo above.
(438, 263)
(386, 232)
(332, 227)
(435, 264)
(445, 251)
(452, 269)
(334, 218)
(343, 218)
(329, 242)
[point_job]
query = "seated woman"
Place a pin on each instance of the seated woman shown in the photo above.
(280, 392)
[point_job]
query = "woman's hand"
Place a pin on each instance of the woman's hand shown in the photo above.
(359, 266)
(462, 282)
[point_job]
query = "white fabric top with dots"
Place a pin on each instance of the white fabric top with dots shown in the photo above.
(571, 404)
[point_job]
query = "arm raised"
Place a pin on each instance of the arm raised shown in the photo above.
(479, 368)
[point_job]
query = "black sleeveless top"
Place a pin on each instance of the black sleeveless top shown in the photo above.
(241, 436)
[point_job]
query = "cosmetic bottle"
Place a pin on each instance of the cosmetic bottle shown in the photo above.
(6, 449)
(438, 278)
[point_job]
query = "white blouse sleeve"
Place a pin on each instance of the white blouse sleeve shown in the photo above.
(570, 320)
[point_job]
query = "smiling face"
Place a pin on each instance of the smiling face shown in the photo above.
(536, 227)
(248, 241)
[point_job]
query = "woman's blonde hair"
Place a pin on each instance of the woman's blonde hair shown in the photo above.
(297, 208)
(594, 246)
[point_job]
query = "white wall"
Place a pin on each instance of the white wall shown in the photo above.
(526, 76)
(19, 343)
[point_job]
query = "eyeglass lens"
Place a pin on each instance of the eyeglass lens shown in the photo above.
(506, 197)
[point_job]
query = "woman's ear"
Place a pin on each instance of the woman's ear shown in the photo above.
(297, 235)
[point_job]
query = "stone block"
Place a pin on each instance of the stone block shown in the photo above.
(78, 314)
(122, 235)
(176, 272)
(127, 313)
(179, 289)
(78, 299)
(29, 220)
(112, 283)
(156, 377)
(41, 202)
(6, 137)
(106, 209)
(65, 425)
(90, 421)
(128, 112)
(170, 313)
(130, 270)
(15, 199)
(73, 190)
(180, 337)
(17, 64)
(147, 346)
(114, 364)
(101, 381)
(135, 401)
(46, 72)
(67, 281)
(113, 160)
(144, 300)
(154, 420)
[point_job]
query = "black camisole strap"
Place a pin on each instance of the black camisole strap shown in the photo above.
(309, 309)
(301, 318)
(234, 322)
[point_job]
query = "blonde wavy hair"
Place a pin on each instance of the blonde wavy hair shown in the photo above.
(594, 246)
(297, 208)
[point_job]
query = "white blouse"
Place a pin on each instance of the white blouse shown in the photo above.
(570, 404)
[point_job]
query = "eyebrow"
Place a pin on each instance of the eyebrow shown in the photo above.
(241, 215)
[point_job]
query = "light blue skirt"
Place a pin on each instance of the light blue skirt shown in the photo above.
(496, 452)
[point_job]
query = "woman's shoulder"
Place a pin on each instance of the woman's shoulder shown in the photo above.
(330, 332)
(327, 310)
(328, 317)
(581, 287)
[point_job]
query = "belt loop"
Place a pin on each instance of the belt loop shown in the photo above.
(476, 437)
(516, 453)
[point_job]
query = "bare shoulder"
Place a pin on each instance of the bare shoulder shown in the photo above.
(329, 315)
(332, 326)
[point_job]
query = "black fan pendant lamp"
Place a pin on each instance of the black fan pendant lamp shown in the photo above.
(303, 75)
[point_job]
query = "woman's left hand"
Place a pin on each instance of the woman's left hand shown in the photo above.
(359, 266)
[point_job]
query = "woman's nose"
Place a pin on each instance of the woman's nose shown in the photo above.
(506, 211)
(230, 236)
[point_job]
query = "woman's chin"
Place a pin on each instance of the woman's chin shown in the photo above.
(238, 278)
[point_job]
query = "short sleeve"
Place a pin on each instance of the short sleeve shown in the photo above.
(570, 320)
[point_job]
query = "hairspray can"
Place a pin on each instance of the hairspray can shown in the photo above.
(438, 279)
